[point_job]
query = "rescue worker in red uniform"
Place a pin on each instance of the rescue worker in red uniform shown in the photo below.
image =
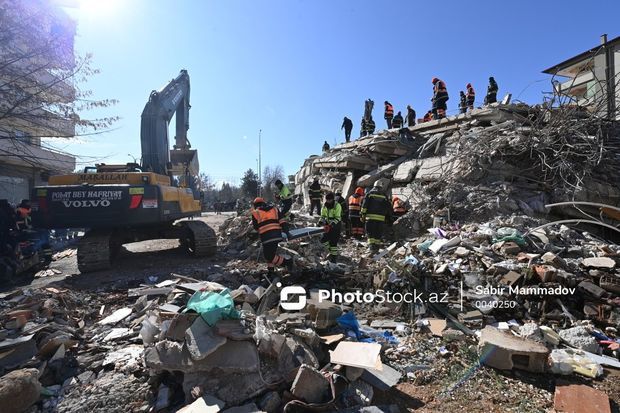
(389, 114)
(398, 207)
(355, 208)
(428, 117)
(471, 96)
(440, 98)
(267, 221)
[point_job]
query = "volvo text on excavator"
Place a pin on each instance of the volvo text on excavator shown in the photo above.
(119, 204)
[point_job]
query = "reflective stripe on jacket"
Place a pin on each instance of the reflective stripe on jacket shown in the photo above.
(332, 215)
(376, 207)
(266, 221)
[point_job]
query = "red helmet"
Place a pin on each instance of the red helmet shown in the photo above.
(469, 85)
(258, 200)
(359, 190)
(435, 80)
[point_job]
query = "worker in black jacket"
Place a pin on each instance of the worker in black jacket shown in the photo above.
(410, 116)
(398, 121)
(315, 197)
(347, 125)
(492, 89)
(376, 211)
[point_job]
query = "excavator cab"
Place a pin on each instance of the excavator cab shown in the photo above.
(134, 202)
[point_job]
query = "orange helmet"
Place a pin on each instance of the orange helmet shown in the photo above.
(359, 190)
(258, 200)
(435, 80)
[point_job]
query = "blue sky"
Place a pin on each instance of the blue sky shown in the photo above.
(294, 68)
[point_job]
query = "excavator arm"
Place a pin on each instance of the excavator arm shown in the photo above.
(163, 104)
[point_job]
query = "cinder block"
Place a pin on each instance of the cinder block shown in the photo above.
(505, 351)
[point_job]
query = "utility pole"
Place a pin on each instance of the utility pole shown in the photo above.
(260, 180)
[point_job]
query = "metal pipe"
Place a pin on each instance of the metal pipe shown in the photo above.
(582, 203)
(576, 221)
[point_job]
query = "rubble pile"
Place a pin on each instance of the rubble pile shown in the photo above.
(497, 160)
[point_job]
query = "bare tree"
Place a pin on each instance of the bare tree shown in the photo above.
(42, 80)
(270, 175)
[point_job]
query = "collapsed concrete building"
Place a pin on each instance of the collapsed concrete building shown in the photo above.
(518, 158)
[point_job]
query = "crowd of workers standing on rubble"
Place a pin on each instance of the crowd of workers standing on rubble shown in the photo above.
(438, 111)
(363, 214)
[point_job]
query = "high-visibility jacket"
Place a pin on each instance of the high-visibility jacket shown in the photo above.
(398, 207)
(376, 207)
(389, 111)
(332, 215)
(315, 191)
(355, 205)
(440, 90)
(285, 193)
(23, 212)
(471, 94)
(267, 221)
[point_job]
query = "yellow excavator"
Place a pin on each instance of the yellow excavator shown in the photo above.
(119, 204)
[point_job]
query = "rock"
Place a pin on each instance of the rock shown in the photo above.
(599, 262)
(232, 329)
(511, 278)
(311, 386)
(201, 339)
(579, 398)
(270, 402)
(462, 252)
(510, 248)
(546, 273)
(293, 354)
(592, 289)
(382, 379)
(531, 331)
(579, 337)
(505, 351)
(19, 390)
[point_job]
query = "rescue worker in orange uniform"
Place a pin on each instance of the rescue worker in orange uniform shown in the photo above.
(471, 96)
(267, 221)
(440, 98)
(355, 207)
(389, 114)
(398, 207)
(428, 117)
(23, 214)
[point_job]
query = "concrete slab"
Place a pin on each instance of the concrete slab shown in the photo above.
(505, 351)
(311, 386)
(202, 340)
(382, 379)
(204, 404)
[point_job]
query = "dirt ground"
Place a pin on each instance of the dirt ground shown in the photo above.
(136, 263)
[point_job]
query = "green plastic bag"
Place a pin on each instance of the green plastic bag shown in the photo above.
(213, 306)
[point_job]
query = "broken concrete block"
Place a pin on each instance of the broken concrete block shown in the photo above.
(19, 390)
(579, 337)
(232, 329)
(592, 289)
(271, 344)
(462, 252)
(382, 379)
(552, 259)
(610, 283)
(364, 355)
(293, 354)
(179, 325)
(599, 262)
(232, 357)
(510, 248)
(569, 361)
(511, 278)
(505, 351)
(116, 316)
(323, 313)
(201, 339)
(546, 273)
(311, 386)
(232, 389)
(579, 398)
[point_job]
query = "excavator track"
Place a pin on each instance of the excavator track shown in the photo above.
(94, 251)
(200, 239)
